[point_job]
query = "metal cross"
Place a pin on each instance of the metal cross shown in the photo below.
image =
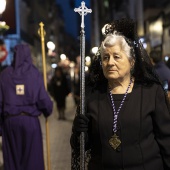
(82, 10)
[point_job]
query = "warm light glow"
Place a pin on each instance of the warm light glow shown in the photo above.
(2, 6)
(94, 50)
(156, 26)
(156, 32)
(50, 45)
(63, 57)
(88, 59)
(2, 23)
(72, 64)
(86, 68)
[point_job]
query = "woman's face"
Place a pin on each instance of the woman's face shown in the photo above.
(115, 63)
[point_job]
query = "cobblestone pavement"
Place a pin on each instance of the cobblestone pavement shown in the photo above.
(59, 132)
(59, 138)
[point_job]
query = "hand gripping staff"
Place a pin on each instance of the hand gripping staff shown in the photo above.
(41, 32)
(82, 10)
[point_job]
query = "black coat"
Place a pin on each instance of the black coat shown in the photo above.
(59, 89)
(143, 128)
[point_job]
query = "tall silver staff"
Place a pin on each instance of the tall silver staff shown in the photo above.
(82, 10)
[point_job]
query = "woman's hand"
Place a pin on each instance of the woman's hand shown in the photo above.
(80, 123)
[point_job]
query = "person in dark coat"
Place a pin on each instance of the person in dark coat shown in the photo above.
(76, 86)
(127, 116)
(59, 88)
(22, 99)
(161, 68)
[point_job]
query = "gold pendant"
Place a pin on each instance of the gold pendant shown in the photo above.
(114, 141)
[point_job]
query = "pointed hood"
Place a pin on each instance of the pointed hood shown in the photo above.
(22, 59)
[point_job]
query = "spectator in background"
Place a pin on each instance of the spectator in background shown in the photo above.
(22, 99)
(76, 85)
(161, 68)
(59, 88)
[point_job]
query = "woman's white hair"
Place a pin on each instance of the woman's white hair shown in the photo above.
(115, 39)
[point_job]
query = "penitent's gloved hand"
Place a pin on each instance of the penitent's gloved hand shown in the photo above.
(80, 123)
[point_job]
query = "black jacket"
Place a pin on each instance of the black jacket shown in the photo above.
(143, 128)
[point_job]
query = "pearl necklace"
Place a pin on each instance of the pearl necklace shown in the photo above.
(115, 141)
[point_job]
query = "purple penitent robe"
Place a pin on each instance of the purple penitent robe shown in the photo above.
(22, 99)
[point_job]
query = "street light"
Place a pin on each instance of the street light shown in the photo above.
(63, 57)
(94, 50)
(88, 60)
(2, 6)
(53, 65)
(3, 26)
(51, 45)
(51, 48)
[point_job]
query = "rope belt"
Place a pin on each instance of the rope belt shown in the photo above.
(14, 115)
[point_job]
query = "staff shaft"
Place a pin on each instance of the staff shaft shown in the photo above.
(42, 32)
(82, 97)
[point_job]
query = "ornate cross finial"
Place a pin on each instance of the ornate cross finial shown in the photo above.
(82, 10)
(41, 31)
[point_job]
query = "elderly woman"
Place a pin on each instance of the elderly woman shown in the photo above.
(127, 117)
